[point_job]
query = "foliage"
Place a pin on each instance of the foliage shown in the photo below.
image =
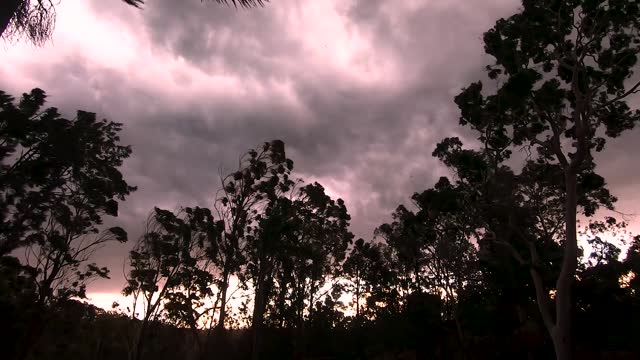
(169, 271)
(562, 69)
(313, 248)
(56, 172)
(58, 179)
(261, 178)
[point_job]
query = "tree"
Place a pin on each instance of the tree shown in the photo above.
(604, 299)
(434, 245)
(35, 19)
(517, 218)
(262, 175)
(59, 178)
(404, 237)
(320, 240)
(55, 172)
(563, 68)
(356, 266)
(181, 256)
(303, 240)
(55, 262)
(18, 293)
(372, 279)
(187, 300)
(632, 264)
(169, 271)
(447, 227)
(266, 246)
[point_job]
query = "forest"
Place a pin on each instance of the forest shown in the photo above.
(518, 253)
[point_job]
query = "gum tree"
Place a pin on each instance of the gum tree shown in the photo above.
(564, 71)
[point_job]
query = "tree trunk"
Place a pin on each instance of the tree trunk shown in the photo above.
(312, 294)
(223, 300)
(522, 319)
(34, 332)
(258, 318)
(460, 332)
(258, 313)
(140, 342)
(198, 341)
(416, 271)
(357, 294)
(143, 331)
(8, 9)
(561, 334)
(37, 322)
(300, 326)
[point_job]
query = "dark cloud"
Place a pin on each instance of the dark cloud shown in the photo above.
(360, 92)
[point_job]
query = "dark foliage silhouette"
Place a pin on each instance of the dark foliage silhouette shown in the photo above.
(562, 67)
(59, 179)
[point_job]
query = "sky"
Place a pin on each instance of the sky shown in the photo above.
(360, 91)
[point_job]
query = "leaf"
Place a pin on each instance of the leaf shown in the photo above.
(111, 207)
(119, 233)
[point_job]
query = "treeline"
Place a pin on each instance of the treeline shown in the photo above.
(486, 264)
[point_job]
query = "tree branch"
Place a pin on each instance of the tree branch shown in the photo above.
(634, 89)
(542, 298)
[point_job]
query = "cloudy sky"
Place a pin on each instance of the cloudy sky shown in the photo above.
(359, 90)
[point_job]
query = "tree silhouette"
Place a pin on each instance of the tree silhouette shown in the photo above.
(58, 173)
(372, 279)
(312, 232)
(171, 273)
(262, 174)
(404, 237)
(563, 68)
(434, 246)
(381, 281)
(266, 246)
(59, 178)
(296, 260)
(355, 267)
